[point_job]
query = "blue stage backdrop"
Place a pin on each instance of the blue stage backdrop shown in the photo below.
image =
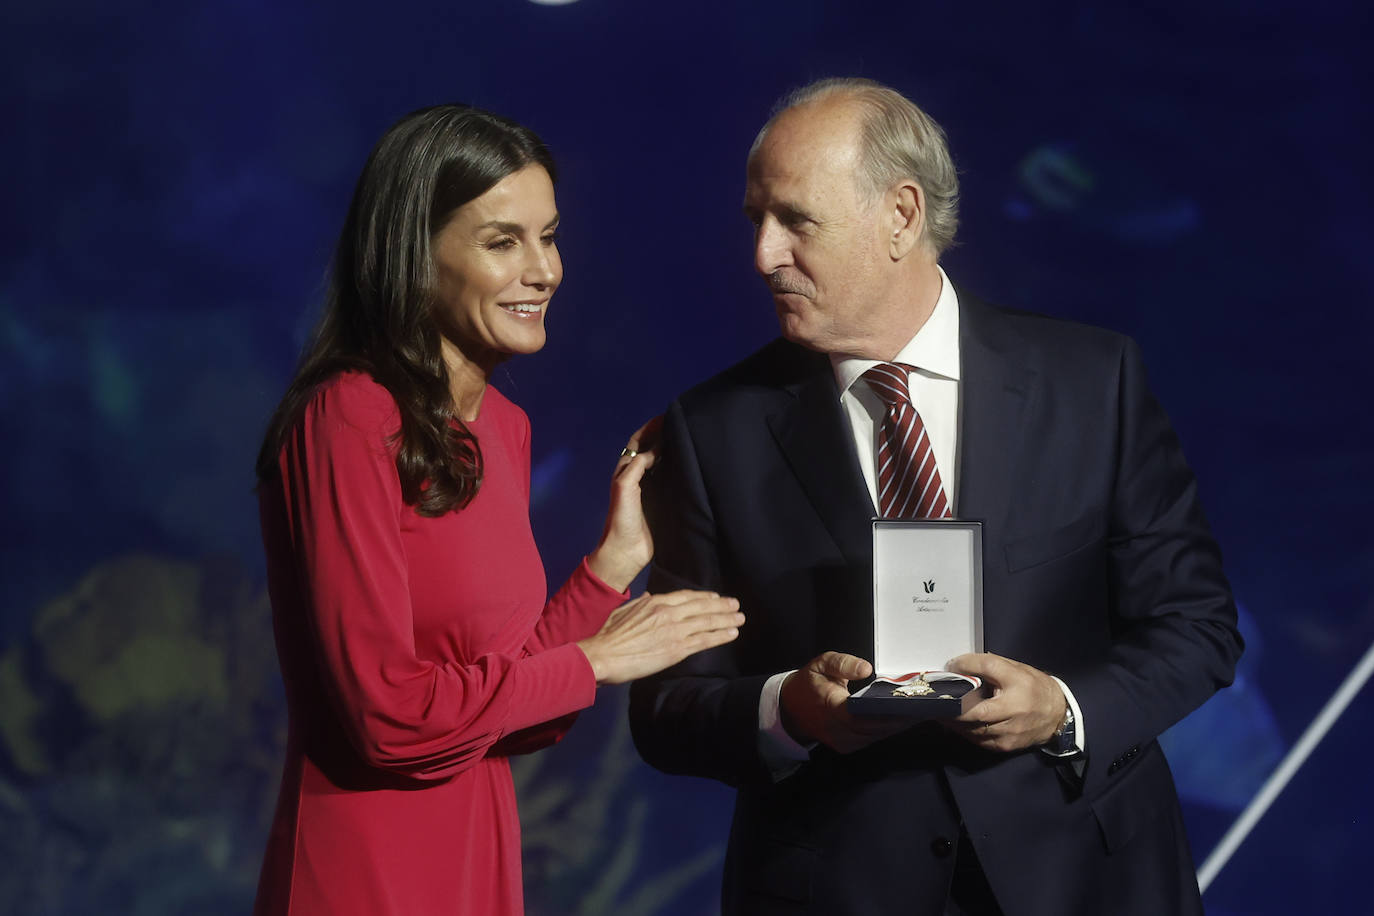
(1194, 174)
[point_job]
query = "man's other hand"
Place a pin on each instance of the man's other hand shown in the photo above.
(1025, 709)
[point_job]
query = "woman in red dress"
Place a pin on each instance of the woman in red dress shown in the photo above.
(416, 644)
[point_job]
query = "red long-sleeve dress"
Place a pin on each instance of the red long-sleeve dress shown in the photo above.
(417, 654)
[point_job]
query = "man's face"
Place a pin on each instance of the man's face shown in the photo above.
(817, 239)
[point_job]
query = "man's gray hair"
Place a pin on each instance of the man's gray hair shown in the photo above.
(899, 141)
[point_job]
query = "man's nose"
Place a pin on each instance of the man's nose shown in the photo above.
(771, 249)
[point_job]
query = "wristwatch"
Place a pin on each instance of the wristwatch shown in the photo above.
(1064, 739)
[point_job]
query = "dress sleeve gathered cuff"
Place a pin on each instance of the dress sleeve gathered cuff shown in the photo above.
(548, 686)
(584, 575)
(578, 610)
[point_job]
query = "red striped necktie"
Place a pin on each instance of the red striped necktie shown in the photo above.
(908, 481)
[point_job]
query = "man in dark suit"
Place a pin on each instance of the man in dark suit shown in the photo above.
(1107, 616)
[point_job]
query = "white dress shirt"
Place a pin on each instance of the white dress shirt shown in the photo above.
(934, 387)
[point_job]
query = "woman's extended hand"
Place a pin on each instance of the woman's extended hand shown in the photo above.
(651, 632)
(626, 545)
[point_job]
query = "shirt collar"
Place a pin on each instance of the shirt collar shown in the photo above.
(934, 350)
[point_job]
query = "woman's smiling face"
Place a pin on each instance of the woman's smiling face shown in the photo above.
(498, 265)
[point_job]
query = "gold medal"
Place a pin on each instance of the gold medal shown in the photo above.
(917, 688)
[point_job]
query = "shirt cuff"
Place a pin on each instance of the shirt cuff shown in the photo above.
(1080, 740)
(781, 753)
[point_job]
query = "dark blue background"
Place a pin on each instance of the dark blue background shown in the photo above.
(1196, 175)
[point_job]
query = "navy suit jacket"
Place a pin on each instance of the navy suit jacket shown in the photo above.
(1099, 568)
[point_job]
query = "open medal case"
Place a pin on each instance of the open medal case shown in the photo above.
(927, 609)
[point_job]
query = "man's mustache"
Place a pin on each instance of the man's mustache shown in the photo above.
(781, 282)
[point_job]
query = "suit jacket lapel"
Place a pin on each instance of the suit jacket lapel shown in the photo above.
(819, 447)
(994, 391)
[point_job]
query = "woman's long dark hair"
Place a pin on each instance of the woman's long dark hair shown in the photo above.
(378, 312)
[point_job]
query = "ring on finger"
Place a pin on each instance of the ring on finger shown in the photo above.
(628, 452)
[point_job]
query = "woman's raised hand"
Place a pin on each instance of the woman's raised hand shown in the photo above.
(626, 545)
(651, 632)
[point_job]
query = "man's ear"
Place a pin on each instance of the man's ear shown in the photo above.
(908, 219)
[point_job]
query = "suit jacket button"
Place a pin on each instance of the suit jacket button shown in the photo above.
(941, 846)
